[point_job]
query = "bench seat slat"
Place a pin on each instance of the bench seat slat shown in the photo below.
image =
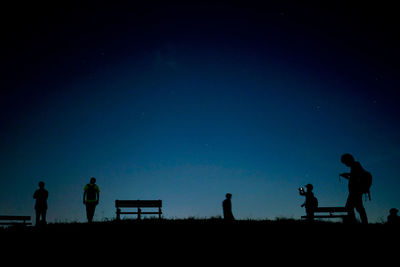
(143, 212)
(343, 212)
(15, 218)
(15, 223)
(325, 216)
(331, 209)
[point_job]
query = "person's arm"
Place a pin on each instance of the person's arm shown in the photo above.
(345, 175)
(84, 197)
(98, 197)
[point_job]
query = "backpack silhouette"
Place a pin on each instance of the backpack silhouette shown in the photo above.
(365, 183)
(91, 192)
(314, 202)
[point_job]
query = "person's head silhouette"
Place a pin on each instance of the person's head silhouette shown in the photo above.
(347, 159)
(92, 180)
(393, 211)
(228, 195)
(41, 185)
(309, 187)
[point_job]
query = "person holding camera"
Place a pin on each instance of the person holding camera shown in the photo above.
(311, 202)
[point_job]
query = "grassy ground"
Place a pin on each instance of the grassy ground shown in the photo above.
(207, 241)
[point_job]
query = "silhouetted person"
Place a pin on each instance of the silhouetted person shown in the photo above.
(91, 196)
(393, 218)
(227, 208)
(354, 199)
(311, 202)
(41, 196)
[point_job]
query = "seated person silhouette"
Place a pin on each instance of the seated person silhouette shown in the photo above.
(393, 218)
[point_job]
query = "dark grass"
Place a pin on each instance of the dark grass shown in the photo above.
(207, 241)
(277, 227)
(191, 223)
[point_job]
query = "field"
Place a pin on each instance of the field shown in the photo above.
(208, 241)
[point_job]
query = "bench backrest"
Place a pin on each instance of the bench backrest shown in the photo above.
(138, 203)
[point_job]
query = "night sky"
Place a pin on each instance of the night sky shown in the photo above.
(187, 102)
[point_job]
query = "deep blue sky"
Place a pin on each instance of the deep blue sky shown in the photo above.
(185, 103)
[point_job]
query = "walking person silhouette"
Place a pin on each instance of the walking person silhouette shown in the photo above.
(41, 196)
(354, 199)
(91, 197)
(227, 208)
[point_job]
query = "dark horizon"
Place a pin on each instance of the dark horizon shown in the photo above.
(187, 102)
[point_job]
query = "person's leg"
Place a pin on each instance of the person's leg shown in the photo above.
(44, 216)
(350, 207)
(310, 214)
(37, 217)
(90, 208)
(92, 211)
(361, 210)
(88, 212)
(363, 215)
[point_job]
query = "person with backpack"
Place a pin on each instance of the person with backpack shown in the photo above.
(359, 183)
(91, 196)
(311, 202)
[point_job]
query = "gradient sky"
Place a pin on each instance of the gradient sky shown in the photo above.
(185, 103)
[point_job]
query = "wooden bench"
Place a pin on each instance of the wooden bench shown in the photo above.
(330, 212)
(139, 204)
(15, 220)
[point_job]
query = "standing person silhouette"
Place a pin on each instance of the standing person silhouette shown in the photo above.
(41, 196)
(354, 199)
(91, 197)
(227, 208)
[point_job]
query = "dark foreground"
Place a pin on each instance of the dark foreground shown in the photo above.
(211, 242)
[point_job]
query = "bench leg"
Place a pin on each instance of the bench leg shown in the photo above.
(139, 213)
(159, 213)
(118, 214)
